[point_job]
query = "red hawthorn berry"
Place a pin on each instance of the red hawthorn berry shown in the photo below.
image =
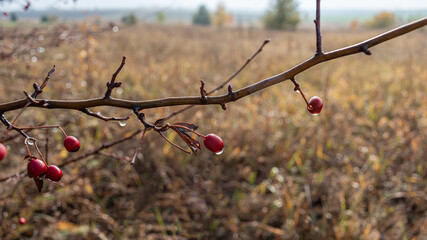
(213, 143)
(3, 151)
(22, 221)
(36, 168)
(316, 105)
(72, 144)
(54, 173)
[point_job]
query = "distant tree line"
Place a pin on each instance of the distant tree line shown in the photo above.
(283, 15)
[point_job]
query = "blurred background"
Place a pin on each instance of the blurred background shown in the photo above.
(355, 171)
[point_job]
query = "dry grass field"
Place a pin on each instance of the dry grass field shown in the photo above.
(356, 171)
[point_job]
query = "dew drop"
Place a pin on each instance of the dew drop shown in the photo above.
(30, 142)
(123, 123)
(220, 152)
(298, 91)
(314, 114)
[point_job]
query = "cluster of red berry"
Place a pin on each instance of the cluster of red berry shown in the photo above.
(37, 168)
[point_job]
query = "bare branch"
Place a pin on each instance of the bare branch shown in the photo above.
(318, 32)
(9, 125)
(222, 99)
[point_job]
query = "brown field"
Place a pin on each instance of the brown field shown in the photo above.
(356, 171)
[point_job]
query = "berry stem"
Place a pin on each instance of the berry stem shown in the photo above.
(186, 128)
(132, 162)
(37, 148)
(40, 153)
(298, 89)
(26, 145)
(47, 126)
(173, 144)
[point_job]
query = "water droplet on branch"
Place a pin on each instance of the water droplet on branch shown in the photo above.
(123, 123)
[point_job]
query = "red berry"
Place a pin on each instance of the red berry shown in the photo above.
(213, 143)
(54, 173)
(36, 168)
(3, 151)
(72, 144)
(316, 105)
(22, 221)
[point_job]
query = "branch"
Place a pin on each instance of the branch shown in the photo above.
(318, 32)
(112, 84)
(39, 89)
(222, 99)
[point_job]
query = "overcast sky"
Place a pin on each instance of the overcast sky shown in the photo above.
(253, 5)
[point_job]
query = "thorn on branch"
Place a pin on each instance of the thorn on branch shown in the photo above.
(39, 89)
(112, 84)
(365, 50)
(203, 92)
(102, 117)
(231, 93)
(42, 103)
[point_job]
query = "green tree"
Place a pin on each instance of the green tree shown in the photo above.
(48, 18)
(130, 19)
(282, 15)
(202, 16)
(13, 17)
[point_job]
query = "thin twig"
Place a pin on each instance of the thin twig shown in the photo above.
(318, 31)
(173, 144)
(112, 84)
(138, 147)
(37, 89)
(45, 127)
(102, 117)
(10, 126)
(266, 41)
(246, 91)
